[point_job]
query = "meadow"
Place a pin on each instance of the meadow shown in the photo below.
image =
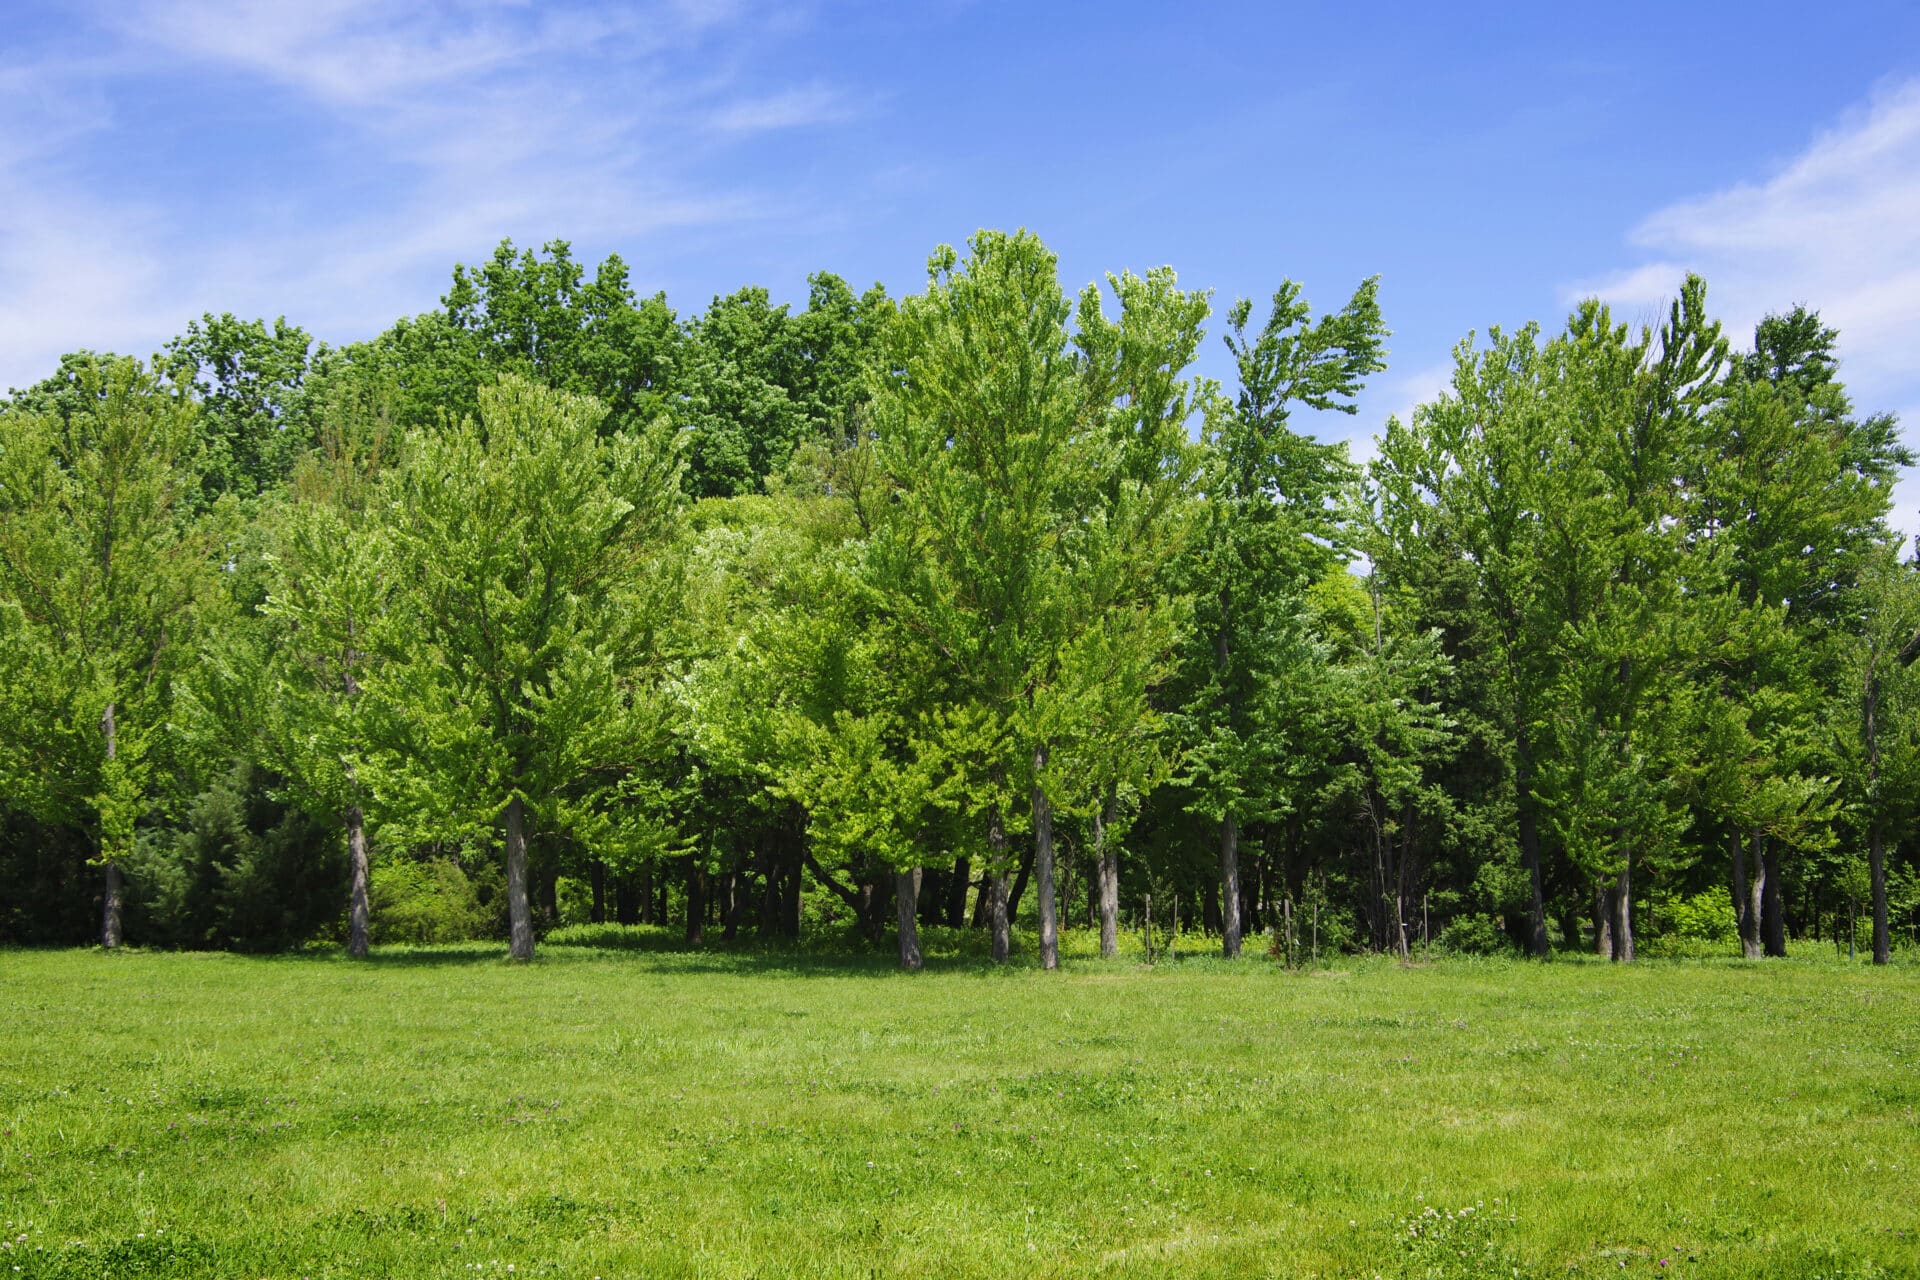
(641, 1110)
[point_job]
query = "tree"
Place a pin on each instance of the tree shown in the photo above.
(248, 378)
(1125, 615)
(102, 573)
(1881, 739)
(521, 542)
(981, 437)
(1271, 530)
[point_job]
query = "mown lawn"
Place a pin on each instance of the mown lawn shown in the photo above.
(654, 1113)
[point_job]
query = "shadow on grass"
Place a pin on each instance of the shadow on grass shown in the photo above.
(659, 950)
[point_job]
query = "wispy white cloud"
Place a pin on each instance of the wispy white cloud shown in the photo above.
(1836, 227)
(797, 108)
(465, 122)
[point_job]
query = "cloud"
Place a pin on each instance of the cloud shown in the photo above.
(792, 110)
(452, 124)
(1836, 227)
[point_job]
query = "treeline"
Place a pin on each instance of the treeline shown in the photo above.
(969, 608)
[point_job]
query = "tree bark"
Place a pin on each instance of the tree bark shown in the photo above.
(1623, 915)
(1603, 921)
(996, 887)
(112, 886)
(1746, 920)
(626, 902)
(519, 909)
(550, 898)
(1756, 895)
(1773, 917)
(957, 892)
(597, 873)
(1877, 869)
(730, 907)
(796, 874)
(1530, 851)
(1109, 879)
(1024, 874)
(1043, 866)
(696, 903)
(1229, 887)
(358, 909)
(906, 902)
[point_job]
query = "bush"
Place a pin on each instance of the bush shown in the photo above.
(1701, 924)
(248, 871)
(1475, 934)
(427, 902)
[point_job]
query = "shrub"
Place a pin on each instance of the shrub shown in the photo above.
(1474, 934)
(248, 871)
(426, 902)
(1700, 924)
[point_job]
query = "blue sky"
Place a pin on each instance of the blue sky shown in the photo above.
(330, 161)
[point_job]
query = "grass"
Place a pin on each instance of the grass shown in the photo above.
(652, 1112)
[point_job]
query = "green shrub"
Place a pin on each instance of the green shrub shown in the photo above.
(427, 902)
(1701, 924)
(1474, 934)
(247, 871)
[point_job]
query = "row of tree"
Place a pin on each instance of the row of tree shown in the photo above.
(879, 608)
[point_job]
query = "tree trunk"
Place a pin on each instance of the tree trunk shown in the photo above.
(730, 907)
(795, 882)
(519, 909)
(1603, 922)
(626, 902)
(1877, 868)
(1229, 887)
(1530, 852)
(550, 898)
(357, 905)
(1109, 880)
(1773, 918)
(1746, 919)
(1043, 866)
(1623, 915)
(957, 892)
(1019, 889)
(696, 904)
(906, 902)
(1756, 896)
(997, 887)
(597, 873)
(112, 883)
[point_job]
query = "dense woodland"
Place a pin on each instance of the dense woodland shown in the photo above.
(973, 609)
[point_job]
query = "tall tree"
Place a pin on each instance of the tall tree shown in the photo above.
(981, 436)
(101, 574)
(521, 542)
(1271, 531)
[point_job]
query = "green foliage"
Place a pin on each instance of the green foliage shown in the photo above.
(433, 901)
(247, 378)
(103, 576)
(521, 542)
(1703, 917)
(245, 871)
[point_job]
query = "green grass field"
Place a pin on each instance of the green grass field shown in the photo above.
(655, 1113)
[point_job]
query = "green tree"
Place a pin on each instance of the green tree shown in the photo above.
(248, 378)
(981, 435)
(521, 544)
(102, 575)
(1272, 530)
(1880, 740)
